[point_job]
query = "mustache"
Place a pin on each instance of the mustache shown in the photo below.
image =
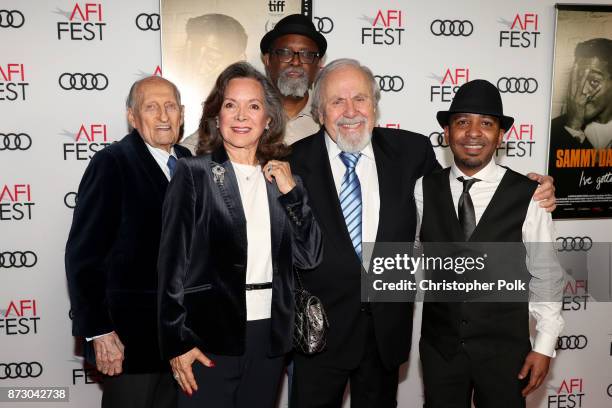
(293, 70)
(351, 121)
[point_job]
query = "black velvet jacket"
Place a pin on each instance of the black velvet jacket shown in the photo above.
(111, 253)
(203, 258)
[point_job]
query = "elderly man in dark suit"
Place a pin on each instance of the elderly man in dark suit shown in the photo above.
(360, 180)
(112, 249)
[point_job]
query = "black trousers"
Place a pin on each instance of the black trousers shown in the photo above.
(248, 381)
(491, 382)
(149, 390)
(317, 384)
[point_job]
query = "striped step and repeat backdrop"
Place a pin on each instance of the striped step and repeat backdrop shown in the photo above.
(65, 70)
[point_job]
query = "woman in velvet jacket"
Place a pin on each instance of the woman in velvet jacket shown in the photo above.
(235, 224)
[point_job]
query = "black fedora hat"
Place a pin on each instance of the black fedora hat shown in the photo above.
(477, 96)
(293, 24)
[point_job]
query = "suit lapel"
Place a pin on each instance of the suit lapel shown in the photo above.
(322, 192)
(389, 179)
(154, 174)
(225, 180)
(277, 219)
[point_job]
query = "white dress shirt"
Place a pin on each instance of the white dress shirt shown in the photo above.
(368, 178)
(161, 158)
(254, 197)
(537, 227)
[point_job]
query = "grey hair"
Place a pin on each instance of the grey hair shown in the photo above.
(133, 99)
(317, 95)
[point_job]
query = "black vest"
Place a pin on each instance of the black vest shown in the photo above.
(478, 328)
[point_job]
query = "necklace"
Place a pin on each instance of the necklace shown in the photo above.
(248, 175)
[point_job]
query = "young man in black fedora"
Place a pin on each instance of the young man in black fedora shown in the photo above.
(292, 53)
(481, 351)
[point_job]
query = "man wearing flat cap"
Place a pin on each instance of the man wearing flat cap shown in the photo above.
(292, 53)
(481, 351)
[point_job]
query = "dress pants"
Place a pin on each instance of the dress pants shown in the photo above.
(251, 380)
(317, 384)
(148, 390)
(492, 382)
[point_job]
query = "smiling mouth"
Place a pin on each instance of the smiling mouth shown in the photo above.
(164, 128)
(240, 129)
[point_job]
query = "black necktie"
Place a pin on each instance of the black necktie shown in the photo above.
(467, 217)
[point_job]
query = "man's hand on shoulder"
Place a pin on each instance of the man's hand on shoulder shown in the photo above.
(545, 193)
(109, 354)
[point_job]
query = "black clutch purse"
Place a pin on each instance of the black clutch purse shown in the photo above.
(311, 324)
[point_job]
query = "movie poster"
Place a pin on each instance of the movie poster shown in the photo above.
(580, 148)
(200, 38)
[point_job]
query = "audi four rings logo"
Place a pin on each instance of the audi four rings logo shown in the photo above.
(18, 259)
(15, 141)
(70, 199)
(147, 22)
(517, 85)
(20, 370)
(79, 82)
(390, 83)
(455, 28)
(324, 25)
(572, 342)
(574, 244)
(11, 18)
(610, 390)
(437, 139)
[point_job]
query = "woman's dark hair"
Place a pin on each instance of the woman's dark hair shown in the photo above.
(271, 145)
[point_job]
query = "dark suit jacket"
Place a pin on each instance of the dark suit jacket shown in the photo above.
(401, 158)
(111, 254)
(203, 259)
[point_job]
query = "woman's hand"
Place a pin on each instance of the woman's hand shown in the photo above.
(281, 172)
(181, 369)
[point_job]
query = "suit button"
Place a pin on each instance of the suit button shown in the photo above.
(464, 322)
(463, 342)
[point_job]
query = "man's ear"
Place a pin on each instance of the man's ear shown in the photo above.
(446, 133)
(500, 139)
(182, 114)
(131, 117)
(266, 59)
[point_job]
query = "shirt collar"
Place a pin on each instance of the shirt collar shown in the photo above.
(488, 173)
(157, 152)
(333, 150)
(306, 109)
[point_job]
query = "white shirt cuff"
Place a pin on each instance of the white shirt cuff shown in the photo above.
(545, 344)
(98, 336)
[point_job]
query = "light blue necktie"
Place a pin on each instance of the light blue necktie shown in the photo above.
(350, 199)
(171, 165)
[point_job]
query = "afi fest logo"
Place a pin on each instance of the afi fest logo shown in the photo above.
(386, 28)
(522, 31)
(575, 295)
(568, 395)
(517, 142)
(85, 22)
(16, 202)
(448, 84)
(89, 139)
(12, 82)
(19, 318)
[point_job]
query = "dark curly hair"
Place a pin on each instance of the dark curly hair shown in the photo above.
(271, 145)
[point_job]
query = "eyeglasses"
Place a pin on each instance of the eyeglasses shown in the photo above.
(286, 55)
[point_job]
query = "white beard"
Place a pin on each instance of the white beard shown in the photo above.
(355, 142)
(296, 87)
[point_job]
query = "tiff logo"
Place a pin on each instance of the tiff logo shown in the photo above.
(276, 6)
